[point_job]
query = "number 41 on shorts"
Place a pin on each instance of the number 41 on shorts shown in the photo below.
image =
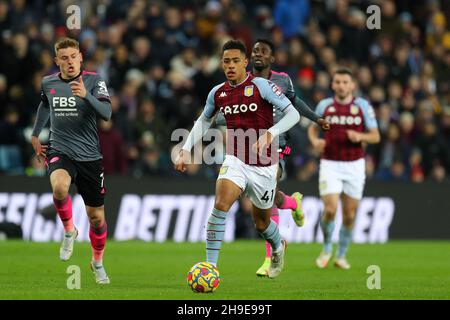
(265, 197)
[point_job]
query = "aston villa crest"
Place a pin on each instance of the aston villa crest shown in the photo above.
(354, 110)
(248, 91)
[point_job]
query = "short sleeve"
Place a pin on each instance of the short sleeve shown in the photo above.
(370, 120)
(320, 109)
(210, 105)
(269, 91)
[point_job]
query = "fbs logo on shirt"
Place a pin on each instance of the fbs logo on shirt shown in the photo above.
(61, 102)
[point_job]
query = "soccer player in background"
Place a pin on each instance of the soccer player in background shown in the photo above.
(247, 104)
(262, 58)
(74, 100)
(342, 164)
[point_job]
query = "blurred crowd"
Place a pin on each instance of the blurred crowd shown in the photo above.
(161, 58)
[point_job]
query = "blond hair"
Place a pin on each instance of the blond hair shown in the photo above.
(64, 43)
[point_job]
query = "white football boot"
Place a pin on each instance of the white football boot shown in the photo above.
(342, 263)
(66, 249)
(323, 260)
(100, 274)
(277, 261)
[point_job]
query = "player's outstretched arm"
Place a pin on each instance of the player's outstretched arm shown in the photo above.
(303, 107)
(291, 118)
(271, 93)
(42, 116)
(306, 111)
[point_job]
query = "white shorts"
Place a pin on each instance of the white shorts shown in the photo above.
(259, 183)
(342, 176)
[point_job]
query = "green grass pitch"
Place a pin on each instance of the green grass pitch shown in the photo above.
(139, 270)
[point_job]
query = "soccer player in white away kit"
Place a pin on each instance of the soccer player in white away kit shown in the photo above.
(342, 165)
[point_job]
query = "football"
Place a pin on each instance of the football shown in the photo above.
(203, 277)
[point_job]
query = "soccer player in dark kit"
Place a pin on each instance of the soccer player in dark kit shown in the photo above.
(73, 100)
(247, 103)
(262, 58)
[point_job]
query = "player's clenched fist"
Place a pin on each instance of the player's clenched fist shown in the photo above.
(181, 160)
(78, 88)
(39, 149)
(324, 124)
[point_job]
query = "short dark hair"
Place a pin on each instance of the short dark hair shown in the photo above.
(269, 43)
(64, 43)
(343, 70)
(235, 44)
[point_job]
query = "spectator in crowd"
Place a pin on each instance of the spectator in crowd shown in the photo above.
(415, 163)
(148, 128)
(161, 58)
(291, 15)
(434, 149)
(10, 143)
(113, 148)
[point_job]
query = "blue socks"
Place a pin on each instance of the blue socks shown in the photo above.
(215, 232)
(272, 236)
(345, 237)
(327, 229)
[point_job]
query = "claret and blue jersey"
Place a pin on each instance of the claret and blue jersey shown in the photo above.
(248, 105)
(358, 115)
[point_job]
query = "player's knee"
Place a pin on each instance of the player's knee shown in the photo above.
(222, 205)
(60, 190)
(261, 225)
(348, 220)
(96, 216)
(330, 210)
(96, 221)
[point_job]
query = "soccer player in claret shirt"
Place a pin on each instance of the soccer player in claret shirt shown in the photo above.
(262, 58)
(73, 100)
(247, 103)
(342, 165)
